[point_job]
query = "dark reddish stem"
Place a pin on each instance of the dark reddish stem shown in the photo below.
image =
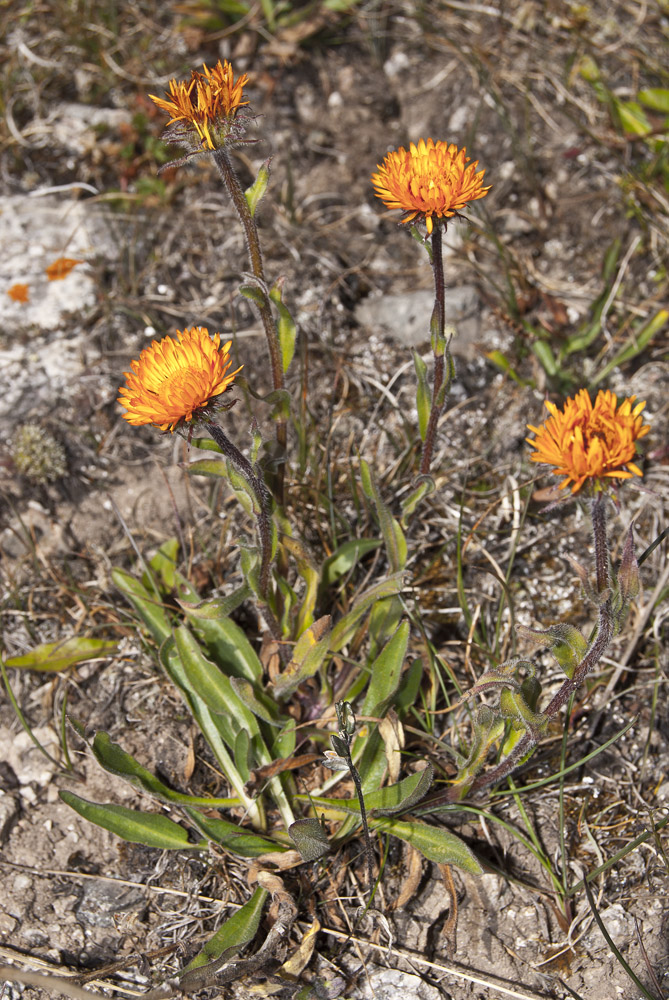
(438, 324)
(262, 505)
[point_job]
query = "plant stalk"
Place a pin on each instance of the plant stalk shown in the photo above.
(438, 326)
(263, 501)
(234, 189)
(369, 851)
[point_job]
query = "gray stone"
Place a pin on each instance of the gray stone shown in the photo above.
(406, 317)
(27, 760)
(41, 350)
(388, 984)
(101, 901)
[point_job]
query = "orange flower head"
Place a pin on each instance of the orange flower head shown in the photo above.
(207, 106)
(585, 442)
(174, 380)
(430, 179)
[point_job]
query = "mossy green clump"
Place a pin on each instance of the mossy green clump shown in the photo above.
(37, 455)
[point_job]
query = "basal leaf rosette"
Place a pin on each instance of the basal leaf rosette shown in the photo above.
(174, 380)
(203, 110)
(589, 443)
(428, 180)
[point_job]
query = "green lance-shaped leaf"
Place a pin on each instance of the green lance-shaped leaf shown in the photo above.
(433, 842)
(396, 798)
(310, 839)
(393, 536)
(437, 335)
(638, 341)
(333, 808)
(565, 642)
(255, 192)
(655, 98)
(386, 673)
(383, 623)
(589, 69)
(216, 609)
(345, 558)
(249, 562)
(500, 360)
(147, 605)
(309, 573)
(278, 399)
(205, 680)
(254, 294)
(424, 486)
(286, 326)
(592, 327)
(163, 565)
(309, 652)
(54, 656)
(206, 444)
(232, 837)
(589, 592)
(402, 796)
(488, 727)
(422, 394)
(242, 751)
(513, 706)
(257, 702)
(405, 696)
(449, 372)
(633, 118)
(627, 582)
(209, 467)
(237, 931)
(226, 641)
(217, 729)
(507, 674)
(346, 626)
(541, 349)
(116, 760)
(243, 491)
(150, 829)
(285, 742)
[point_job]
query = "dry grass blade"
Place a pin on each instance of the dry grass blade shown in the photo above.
(55, 984)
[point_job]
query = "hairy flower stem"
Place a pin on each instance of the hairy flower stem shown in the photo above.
(369, 851)
(438, 323)
(603, 636)
(262, 504)
(234, 189)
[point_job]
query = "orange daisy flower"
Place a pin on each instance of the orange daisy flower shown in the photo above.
(208, 104)
(430, 179)
(174, 380)
(584, 442)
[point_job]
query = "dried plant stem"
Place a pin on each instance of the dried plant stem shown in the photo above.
(438, 325)
(234, 189)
